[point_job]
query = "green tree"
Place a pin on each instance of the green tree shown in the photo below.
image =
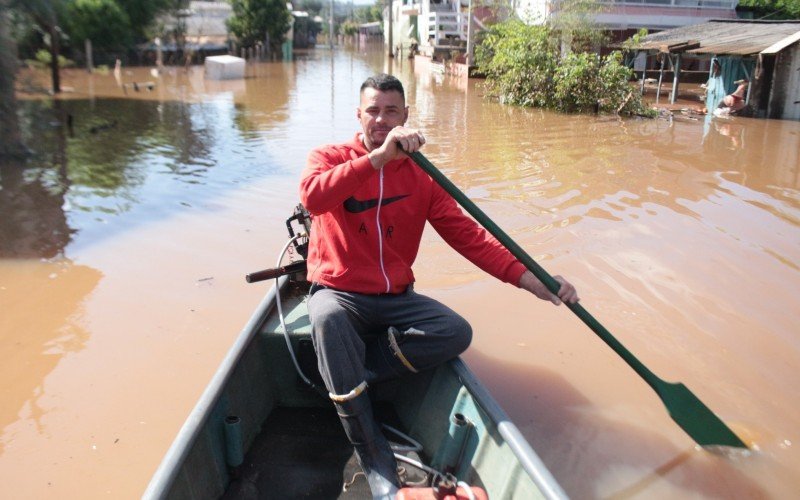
(142, 14)
(103, 22)
(368, 13)
(47, 15)
(574, 24)
(771, 9)
(311, 6)
(255, 21)
(10, 137)
(348, 28)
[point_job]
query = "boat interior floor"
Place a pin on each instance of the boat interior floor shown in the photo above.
(303, 453)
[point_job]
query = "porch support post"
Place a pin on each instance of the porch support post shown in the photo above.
(660, 76)
(644, 72)
(390, 37)
(676, 78)
(470, 37)
(87, 44)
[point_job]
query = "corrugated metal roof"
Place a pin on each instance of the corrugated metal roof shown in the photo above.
(724, 37)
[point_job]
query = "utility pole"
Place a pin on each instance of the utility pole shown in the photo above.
(391, 29)
(470, 38)
(330, 26)
(55, 50)
(10, 136)
(87, 47)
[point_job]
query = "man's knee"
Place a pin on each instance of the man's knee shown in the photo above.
(462, 335)
(326, 317)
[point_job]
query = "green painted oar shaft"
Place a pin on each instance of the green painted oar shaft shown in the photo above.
(684, 407)
(532, 265)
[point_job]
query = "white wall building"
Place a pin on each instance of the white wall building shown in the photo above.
(206, 22)
(636, 14)
(433, 24)
(442, 25)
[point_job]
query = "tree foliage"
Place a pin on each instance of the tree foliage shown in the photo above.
(143, 13)
(524, 65)
(103, 22)
(348, 28)
(771, 9)
(110, 24)
(313, 7)
(518, 61)
(573, 22)
(10, 138)
(368, 13)
(46, 16)
(253, 20)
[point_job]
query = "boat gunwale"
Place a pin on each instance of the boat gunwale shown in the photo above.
(529, 459)
(168, 469)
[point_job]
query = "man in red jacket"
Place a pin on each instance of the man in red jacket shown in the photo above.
(370, 203)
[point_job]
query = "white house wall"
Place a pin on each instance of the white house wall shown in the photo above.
(404, 29)
(635, 14)
(653, 17)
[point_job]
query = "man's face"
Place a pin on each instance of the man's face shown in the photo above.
(379, 113)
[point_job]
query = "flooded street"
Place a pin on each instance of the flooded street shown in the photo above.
(125, 241)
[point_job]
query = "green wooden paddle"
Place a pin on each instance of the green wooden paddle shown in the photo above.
(684, 407)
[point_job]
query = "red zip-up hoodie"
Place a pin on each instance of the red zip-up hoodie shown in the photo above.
(368, 223)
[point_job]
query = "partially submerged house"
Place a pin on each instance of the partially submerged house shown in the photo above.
(635, 14)
(304, 30)
(205, 32)
(199, 31)
(205, 24)
(448, 26)
(440, 28)
(766, 53)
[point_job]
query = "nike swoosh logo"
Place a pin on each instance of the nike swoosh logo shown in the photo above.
(355, 206)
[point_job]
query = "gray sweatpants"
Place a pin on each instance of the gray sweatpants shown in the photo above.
(350, 335)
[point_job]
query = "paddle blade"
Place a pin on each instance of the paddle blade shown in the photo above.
(695, 418)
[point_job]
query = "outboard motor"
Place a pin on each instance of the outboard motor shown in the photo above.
(299, 227)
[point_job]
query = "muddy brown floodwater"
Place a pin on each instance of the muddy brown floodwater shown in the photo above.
(124, 242)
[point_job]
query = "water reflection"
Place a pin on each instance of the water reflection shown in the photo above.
(683, 241)
(34, 342)
(263, 103)
(548, 162)
(121, 156)
(101, 166)
(549, 410)
(33, 222)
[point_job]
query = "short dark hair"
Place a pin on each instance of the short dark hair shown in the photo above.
(384, 83)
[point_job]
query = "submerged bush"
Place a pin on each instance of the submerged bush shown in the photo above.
(43, 58)
(576, 85)
(519, 62)
(524, 66)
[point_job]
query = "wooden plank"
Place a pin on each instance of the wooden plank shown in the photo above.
(782, 44)
(683, 46)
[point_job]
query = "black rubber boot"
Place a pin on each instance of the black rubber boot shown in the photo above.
(372, 449)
